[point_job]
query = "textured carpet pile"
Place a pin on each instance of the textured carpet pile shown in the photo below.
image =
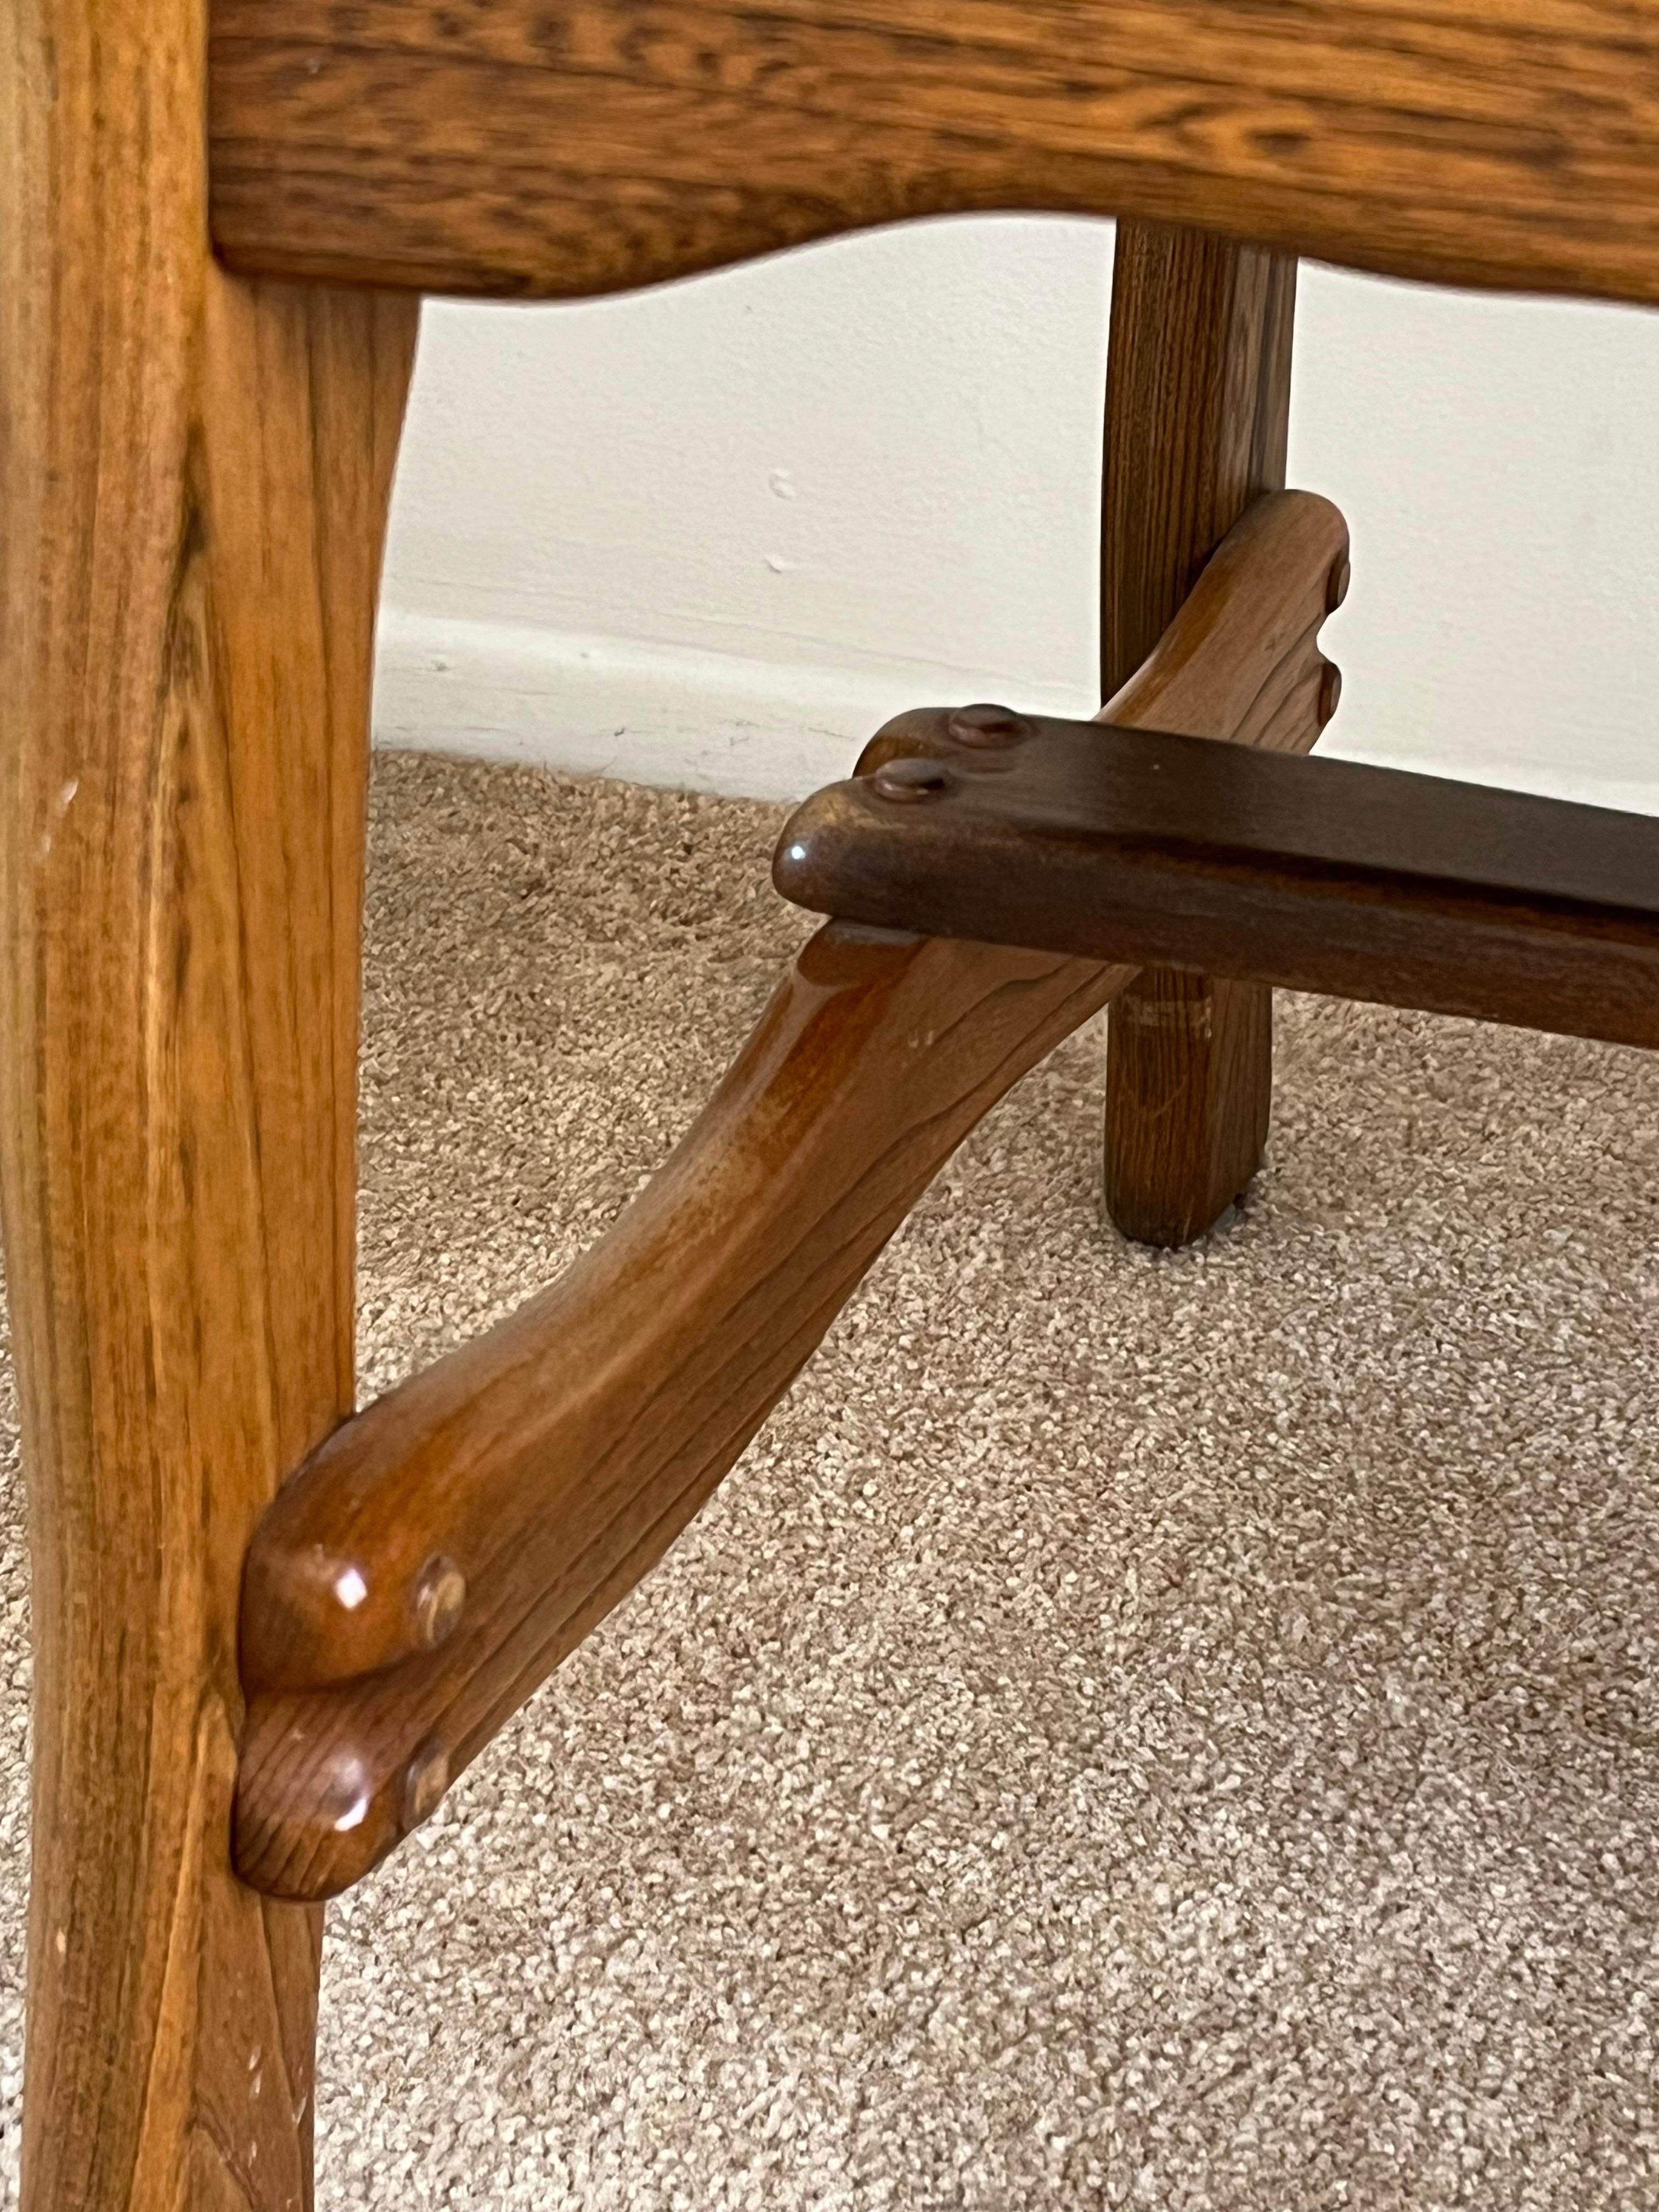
(1174, 1731)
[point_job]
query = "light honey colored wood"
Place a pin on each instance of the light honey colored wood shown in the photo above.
(571, 146)
(193, 483)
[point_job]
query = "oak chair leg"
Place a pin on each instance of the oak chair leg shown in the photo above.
(194, 481)
(1197, 410)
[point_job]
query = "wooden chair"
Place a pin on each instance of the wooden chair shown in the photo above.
(248, 1694)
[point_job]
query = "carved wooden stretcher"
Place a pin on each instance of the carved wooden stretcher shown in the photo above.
(271, 1630)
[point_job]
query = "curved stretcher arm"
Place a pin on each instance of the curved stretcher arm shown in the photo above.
(432, 1563)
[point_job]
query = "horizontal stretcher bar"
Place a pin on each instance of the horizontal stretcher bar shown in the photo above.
(439, 1554)
(1315, 875)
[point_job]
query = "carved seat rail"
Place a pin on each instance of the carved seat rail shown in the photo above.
(556, 150)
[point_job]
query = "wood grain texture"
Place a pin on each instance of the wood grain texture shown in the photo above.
(555, 1458)
(496, 146)
(1198, 400)
(1363, 882)
(552, 1461)
(193, 476)
(1197, 421)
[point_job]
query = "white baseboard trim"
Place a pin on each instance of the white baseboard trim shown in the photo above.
(692, 721)
(655, 714)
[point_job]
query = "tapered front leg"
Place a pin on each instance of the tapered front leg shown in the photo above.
(193, 483)
(1197, 410)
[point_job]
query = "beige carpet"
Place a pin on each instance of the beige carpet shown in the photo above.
(1152, 1731)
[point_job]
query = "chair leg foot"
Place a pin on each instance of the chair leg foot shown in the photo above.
(1189, 1084)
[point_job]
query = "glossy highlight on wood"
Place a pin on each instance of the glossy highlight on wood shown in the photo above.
(555, 1458)
(550, 150)
(193, 483)
(194, 474)
(558, 1455)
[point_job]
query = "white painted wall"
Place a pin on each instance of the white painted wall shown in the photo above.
(715, 534)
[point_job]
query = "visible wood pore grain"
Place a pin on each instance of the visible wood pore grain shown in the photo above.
(1197, 419)
(193, 479)
(557, 147)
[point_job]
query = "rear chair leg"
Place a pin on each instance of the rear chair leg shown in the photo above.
(194, 487)
(1197, 409)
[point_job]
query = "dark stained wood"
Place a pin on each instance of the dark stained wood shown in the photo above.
(498, 146)
(1364, 883)
(1197, 421)
(551, 1461)
(193, 479)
